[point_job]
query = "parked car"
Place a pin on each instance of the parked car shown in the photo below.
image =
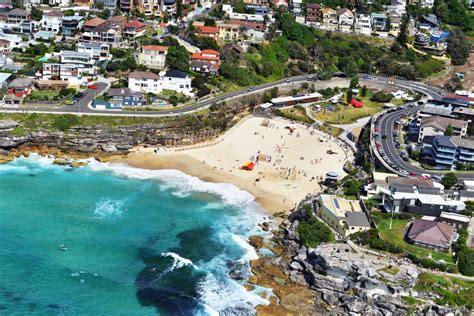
(384, 136)
(92, 86)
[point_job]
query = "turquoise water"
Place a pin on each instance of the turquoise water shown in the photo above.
(113, 240)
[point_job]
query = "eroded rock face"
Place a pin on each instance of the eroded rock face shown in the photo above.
(8, 124)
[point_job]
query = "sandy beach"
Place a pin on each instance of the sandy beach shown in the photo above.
(289, 160)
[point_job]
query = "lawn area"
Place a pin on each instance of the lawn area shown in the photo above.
(395, 237)
(45, 95)
(345, 114)
(329, 129)
(452, 291)
(392, 270)
(296, 113)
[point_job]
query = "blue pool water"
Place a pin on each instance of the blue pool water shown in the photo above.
(114, 240)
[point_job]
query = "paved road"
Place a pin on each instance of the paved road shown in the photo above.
(84, 109)
(388, 145)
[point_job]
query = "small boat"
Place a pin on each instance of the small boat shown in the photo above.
(62, 247)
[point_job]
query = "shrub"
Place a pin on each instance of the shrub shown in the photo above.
(312, 232)
(65, 122)
(381, 97)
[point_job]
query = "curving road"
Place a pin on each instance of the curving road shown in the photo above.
(388, 145)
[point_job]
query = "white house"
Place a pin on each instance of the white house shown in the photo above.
(152, 56)
(52, 21)
(72, 57)
(99, 52)
(364, 23)
(149, 82)
(346, 20)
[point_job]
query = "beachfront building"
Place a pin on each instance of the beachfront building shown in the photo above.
(446, 151)
(121, 97)
(152, 56)
(438, 125)
(345, 216)
(149, 82)
(431, 234)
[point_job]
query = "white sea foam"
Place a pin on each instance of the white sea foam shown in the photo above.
(219, 295)
(250, 253)
(108, 208)
(9, 167)
(178, 262)
(184, 183)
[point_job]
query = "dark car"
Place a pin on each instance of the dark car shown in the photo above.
(384, 136)
(78, 96)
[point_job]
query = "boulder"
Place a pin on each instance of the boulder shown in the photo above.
(386, 305)
(412, 272)
(8, 124)
(355, 306)
(329, 297)
(238, 270)
(256, 241)
(108, 148)
(295, 265)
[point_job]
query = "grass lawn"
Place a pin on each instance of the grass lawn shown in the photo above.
(345, 114)
(392, 270)
(296, 113)
(452, 291)
(329, 129)
(44, 95)
(395, 236)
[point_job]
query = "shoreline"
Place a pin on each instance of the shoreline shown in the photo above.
(269, 201)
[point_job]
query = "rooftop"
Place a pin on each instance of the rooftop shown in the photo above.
(158, 48)
(431, 233)
(455, 216)
(339, 206)
(144, 75)
(94, 22)
(176, 74)
(135, 24)
(358, 219)
(442, 123)
(462, 142)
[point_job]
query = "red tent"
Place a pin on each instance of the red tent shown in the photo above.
(248, 166)
(357, 104)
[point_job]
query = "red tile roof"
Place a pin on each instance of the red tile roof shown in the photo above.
(94, 22)
(209, 29)
(431, 233)
(201, 57)
(210, 52)
(135, 24)
(156, 47)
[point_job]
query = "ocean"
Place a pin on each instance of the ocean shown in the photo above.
(108, 239)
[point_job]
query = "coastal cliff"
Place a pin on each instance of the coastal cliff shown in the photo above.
(336, 278)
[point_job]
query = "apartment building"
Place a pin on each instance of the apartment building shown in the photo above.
(253, 21)
(345, 20)
(149, 82)
(207, 62)
(345, 216)
(103, 35)
(363, 23)
(71, 24)
(297, 7)
(110, 5)
(149, 7)
(79, 58)
(446, 151)
(66, 72)
(314, 14)
(16, 16)
(152, 56)
(99, 52)
(228, 32)
(329, 19)
(52, 21)
(378, 21)
(126, 6)
(438, 125)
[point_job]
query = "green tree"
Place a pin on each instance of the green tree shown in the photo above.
(458, 47)
(36, 13)
(449, 130)
(179, 8)
(449, 180)
(178, 58)
(363, 91)
(402, 37)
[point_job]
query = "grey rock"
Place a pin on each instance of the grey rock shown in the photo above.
(329, 297)
(108, 148)
(238, 270)
(386, 305)
(355, 306)
(371, 273)
(295, 265)
(412, 272)
(8, 124)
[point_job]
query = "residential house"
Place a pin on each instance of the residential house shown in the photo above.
(91, 24)
(297, 7)
(447, 151)
(149, 82)
(378, 21)
(259, 9)
(134, 29)
(99, 52)
(121, 97)
(6, 5)
(208, 31)
(72, 57)
(52, 21)
(16, 16)
(345, 216)
(395, 21)
(418, 199)
(431, 234)
(346, 20)
(432, 41)
(253, 21)
(20, 87)
(72, 73)
(103, 35)
(314, 14)
(329, 19)
(278, 3)
(5, 46)
(169, 6)
(117, 22)
(72, 24)
(152, 56)
(207, 61)
(149, 8)
(437, 125)
(228, 32)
